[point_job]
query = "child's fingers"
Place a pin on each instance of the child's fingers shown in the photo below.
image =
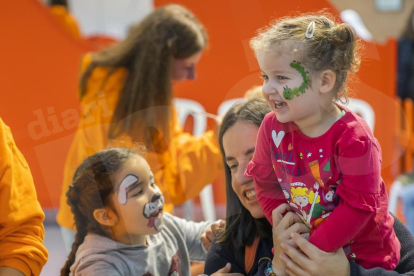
(217, 227)
(291, 223)
(279, 212)
(205, 241)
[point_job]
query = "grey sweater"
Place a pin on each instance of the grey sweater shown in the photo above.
(167, 253)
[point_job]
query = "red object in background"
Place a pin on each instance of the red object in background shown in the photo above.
(99, 42)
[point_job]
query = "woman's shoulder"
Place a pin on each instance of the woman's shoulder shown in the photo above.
(101, 79)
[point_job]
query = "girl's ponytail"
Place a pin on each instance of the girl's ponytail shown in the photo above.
(81, 228)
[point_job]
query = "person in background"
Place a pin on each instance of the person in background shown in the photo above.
(60, 10)
(21, 218)
(247, 239)
(126, 94)
(405, 90)
(405, 61)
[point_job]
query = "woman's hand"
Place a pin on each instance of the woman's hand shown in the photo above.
(208, 236)
(9, 271)
(319, 262)
(285, 223)
(224, 272)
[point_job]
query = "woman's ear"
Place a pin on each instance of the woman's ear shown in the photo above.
(105, 216)
(328, 81)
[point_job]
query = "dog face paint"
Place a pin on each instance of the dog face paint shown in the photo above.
(123, 187)
(153, 212)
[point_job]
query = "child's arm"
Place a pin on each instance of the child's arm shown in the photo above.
(406, 264)
(359, 190)
(21, 217)
(268, 191)
(191, 232)
(195, 162)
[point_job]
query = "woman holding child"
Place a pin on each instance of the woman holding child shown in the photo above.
(246, 225)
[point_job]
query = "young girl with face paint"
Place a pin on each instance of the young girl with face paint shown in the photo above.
(121, 227)
(312, 140)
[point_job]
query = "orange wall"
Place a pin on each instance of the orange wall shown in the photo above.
(40, 71)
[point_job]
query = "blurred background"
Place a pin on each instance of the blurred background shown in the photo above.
(42, 44)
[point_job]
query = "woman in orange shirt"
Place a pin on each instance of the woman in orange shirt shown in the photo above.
(126, 98)
(21, 218)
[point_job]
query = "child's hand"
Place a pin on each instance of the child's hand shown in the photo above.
(285, 222)
(224, 271)
(208, 236)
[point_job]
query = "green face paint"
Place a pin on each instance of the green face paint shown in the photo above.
(289, 93)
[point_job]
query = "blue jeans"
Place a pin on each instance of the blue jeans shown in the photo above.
(408, 200)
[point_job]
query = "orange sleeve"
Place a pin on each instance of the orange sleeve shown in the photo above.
(21, 217)
(66, 20)
(195, 162)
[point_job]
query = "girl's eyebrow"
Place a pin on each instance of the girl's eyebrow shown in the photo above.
(249, 151)
(124, 187)
(133, 186)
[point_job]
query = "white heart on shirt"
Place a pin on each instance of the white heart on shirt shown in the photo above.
(277, 137)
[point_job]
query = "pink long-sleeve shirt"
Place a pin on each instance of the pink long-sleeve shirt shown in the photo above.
(333, 182)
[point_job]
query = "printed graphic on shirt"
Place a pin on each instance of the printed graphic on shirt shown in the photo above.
(305, 177)
(277, 137)
(175, 266)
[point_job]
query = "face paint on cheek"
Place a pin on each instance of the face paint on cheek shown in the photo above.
(289, 93)
(153, 212)
(123, 187)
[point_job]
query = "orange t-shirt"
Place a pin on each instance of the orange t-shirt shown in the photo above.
(21, 217)
(181, 172)
(66, 20)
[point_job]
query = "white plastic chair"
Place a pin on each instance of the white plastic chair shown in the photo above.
(396, 192)
(226, 105)
(192, 108)
(363, 109)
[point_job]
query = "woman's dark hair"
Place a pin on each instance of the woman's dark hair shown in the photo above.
(91, 189)
(147, 53)
(409, 27)
(241, 228)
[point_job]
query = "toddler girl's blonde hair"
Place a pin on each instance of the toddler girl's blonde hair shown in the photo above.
(332, 46)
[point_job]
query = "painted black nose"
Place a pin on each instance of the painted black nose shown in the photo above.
(155, 197)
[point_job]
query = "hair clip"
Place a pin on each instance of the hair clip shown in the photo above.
(310, 30)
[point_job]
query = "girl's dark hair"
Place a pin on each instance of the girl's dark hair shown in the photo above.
(147, 53)
(91, 189)
(409, 28)
(241, 228)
